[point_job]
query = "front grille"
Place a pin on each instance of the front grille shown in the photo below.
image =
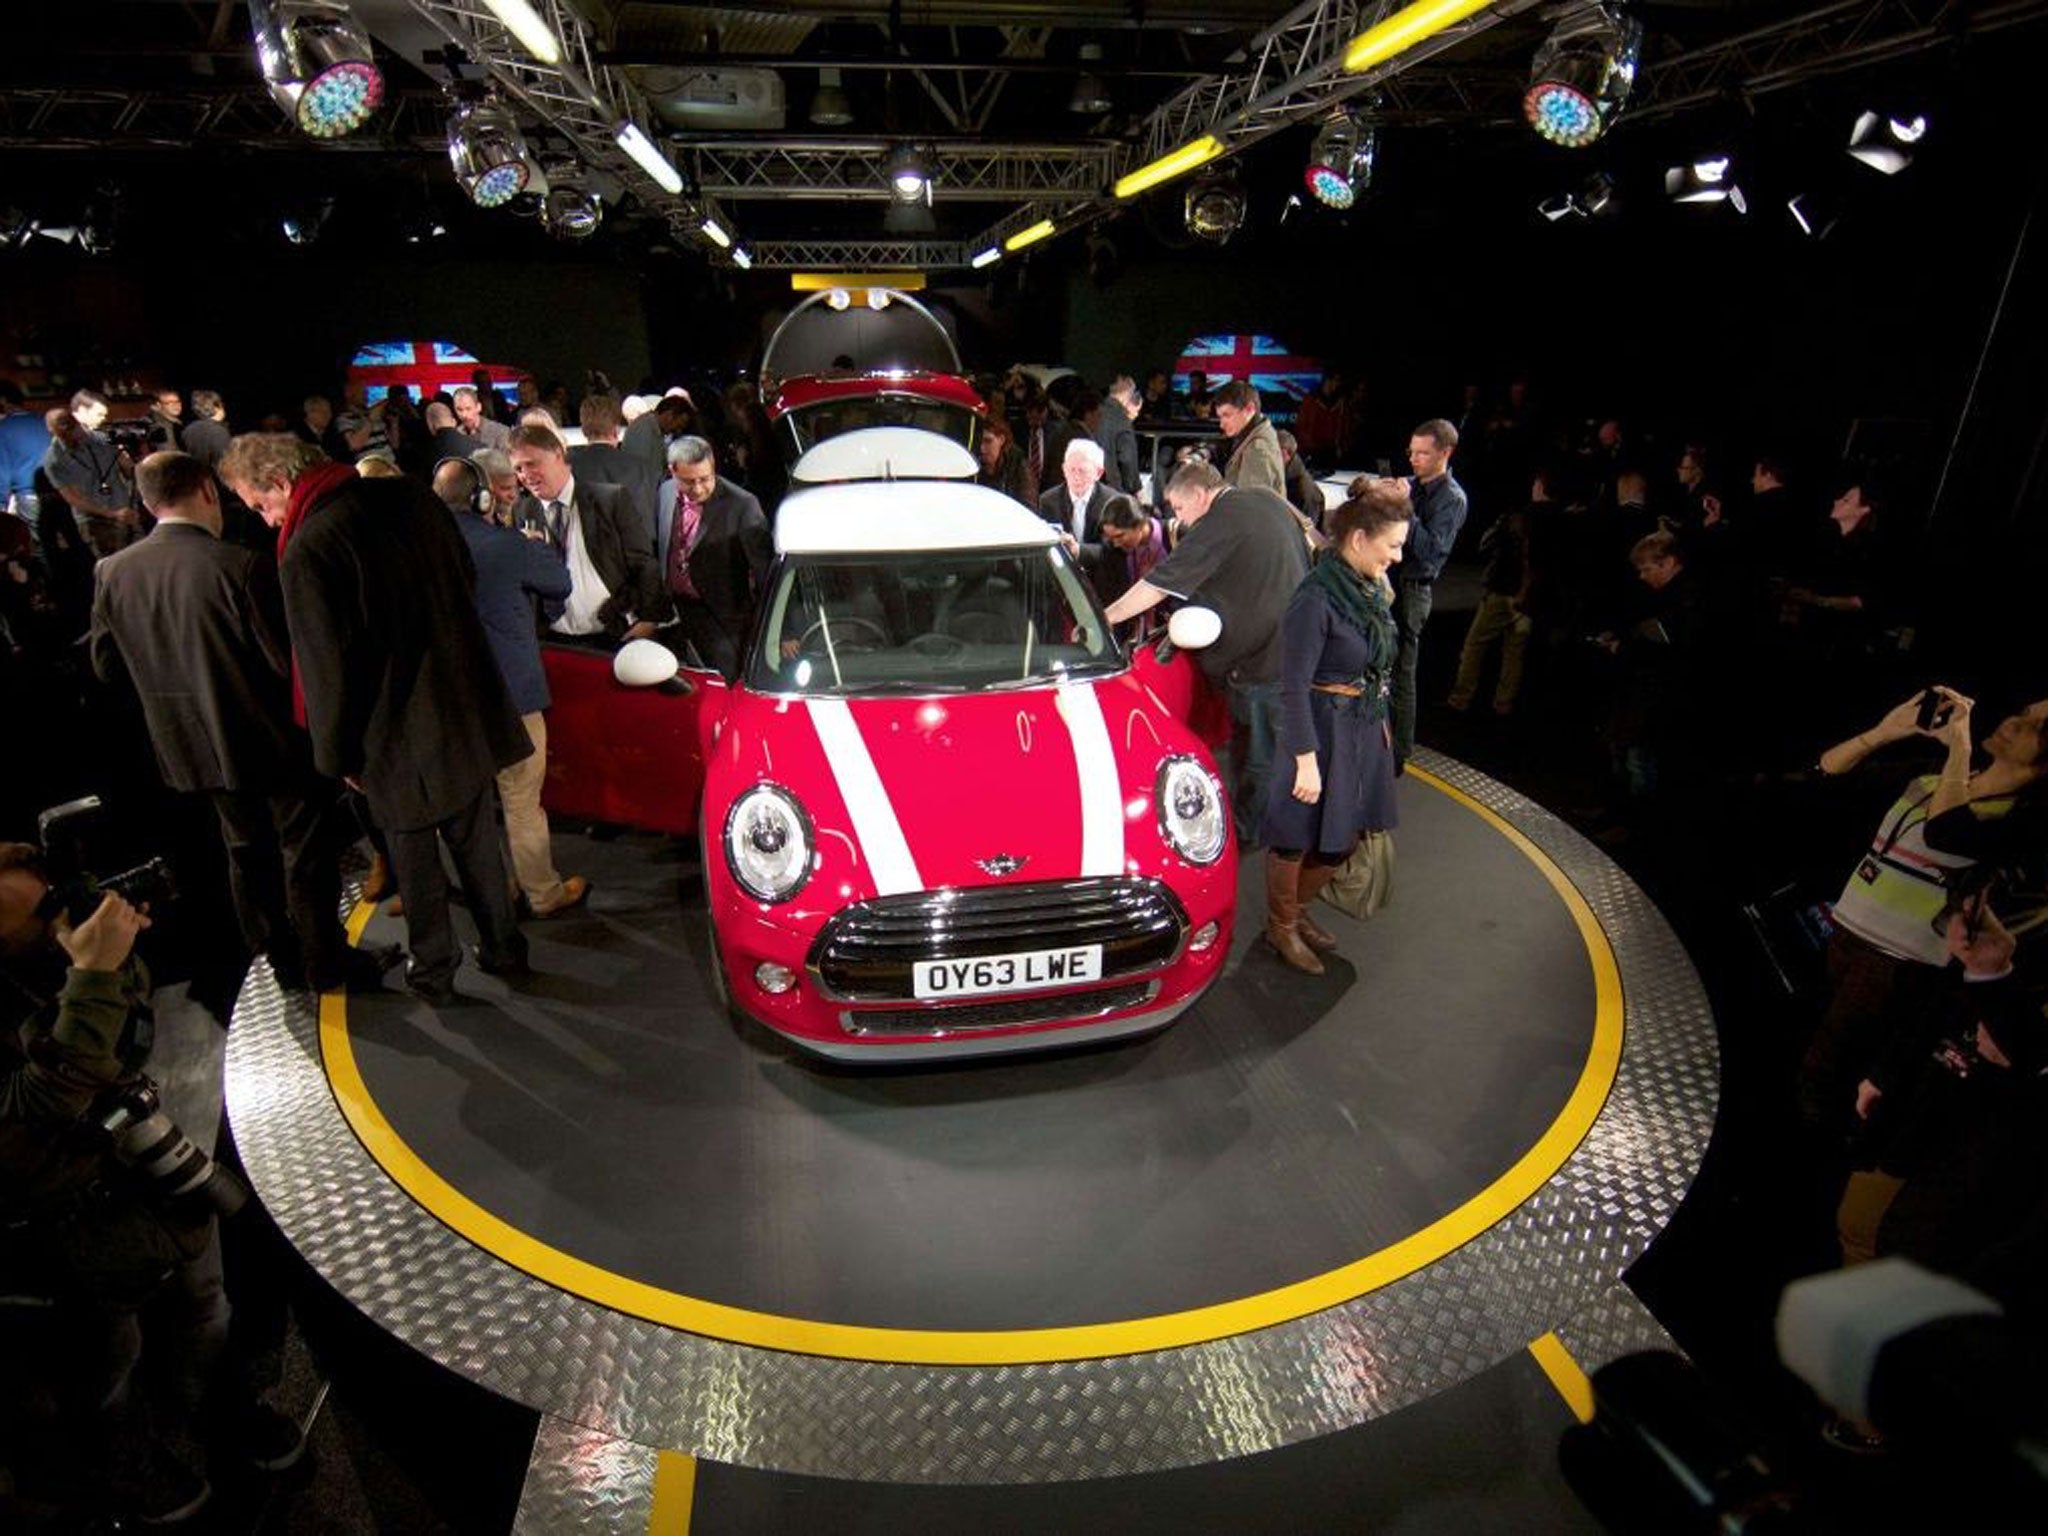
(957, 1018)
(866, 952)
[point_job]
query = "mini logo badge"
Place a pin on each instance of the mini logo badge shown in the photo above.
(1003, 863)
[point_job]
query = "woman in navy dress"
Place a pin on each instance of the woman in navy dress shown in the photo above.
(1333, 777)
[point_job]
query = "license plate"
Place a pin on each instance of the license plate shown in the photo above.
(1022, 972)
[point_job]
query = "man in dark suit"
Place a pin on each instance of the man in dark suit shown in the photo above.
(600, 460)
(401, 693)
(606, 544)
(197, 626)
(1042, 438)
(512, 574)
(713, 549)
(1074, 506)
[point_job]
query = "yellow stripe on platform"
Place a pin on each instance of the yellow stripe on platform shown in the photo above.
(1572, 1384)
(675, 1494)
(1024, 1346)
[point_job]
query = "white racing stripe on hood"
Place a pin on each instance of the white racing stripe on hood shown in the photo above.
(875, 826)
(1102, 804)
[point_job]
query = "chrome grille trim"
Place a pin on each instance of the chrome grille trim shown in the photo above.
(865, 952)
(944, 1020)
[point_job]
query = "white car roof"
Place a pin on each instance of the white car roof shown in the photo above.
(879, 516)
(883, 453)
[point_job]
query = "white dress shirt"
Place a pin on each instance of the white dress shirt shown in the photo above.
(587, 591)
(1079, 515)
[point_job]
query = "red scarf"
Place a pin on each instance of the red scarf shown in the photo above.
(314, 487)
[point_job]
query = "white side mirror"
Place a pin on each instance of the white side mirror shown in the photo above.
(1190, 629)
(645, 664)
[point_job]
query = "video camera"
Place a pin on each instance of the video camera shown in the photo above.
(1935, 1366)
(69, 835)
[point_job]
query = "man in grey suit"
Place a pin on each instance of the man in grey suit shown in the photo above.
(713, 549)
(594, 528)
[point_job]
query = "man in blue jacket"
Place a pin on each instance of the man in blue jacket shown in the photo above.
(512, 571)
(1439, 503)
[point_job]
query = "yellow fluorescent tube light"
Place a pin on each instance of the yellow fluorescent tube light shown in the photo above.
(1166, 167)
(821, 282)
(1031, 236)
(525, 23)
(1405, 28)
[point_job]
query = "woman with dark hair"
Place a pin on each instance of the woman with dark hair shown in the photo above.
(1002, 466)
(1889, 954)
(1333, 778)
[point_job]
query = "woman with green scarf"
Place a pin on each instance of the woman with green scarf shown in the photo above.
(1333, 777)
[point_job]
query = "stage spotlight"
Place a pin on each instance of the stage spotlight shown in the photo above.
(316, 59)
(878, 299)
(1582, 75)
(715, 232)
(1215, 208)
(489, 153)
(1340, 161)
(908, 177)
(987, 258)
(1042, 230)
(838, 298)
(742, 258)
(1562, 206)
(1813, 214)
(304, 226)
(526, 24)
(1597, 195)
(1091, 96)
(571, 210)
(829, 106)
(1703, 181)
(1886, 143)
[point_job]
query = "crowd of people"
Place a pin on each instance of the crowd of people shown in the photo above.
(332, 628)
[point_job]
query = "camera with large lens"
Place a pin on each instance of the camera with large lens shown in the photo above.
(171, 1167)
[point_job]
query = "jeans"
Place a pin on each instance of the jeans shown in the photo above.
(1412, 602)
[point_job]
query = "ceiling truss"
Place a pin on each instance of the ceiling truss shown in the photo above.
(1290, 73)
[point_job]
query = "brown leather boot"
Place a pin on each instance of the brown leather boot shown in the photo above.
(1314, 876)
(1283, 914)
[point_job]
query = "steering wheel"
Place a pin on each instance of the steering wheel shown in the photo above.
(937, 644)
(880, 642)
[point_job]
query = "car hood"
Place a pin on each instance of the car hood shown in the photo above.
(911, 794)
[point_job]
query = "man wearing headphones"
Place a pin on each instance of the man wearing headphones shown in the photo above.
(512, 573)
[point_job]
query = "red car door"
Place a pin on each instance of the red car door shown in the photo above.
(633, 757)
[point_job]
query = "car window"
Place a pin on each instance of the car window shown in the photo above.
(942, 622)
(809, 425)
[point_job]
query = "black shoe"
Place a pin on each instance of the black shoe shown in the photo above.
(267, 1440)
(362, 970)
(435, 991)
(171, 1493)
(511, 966)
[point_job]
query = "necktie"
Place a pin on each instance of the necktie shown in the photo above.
(556, 533)
(1037, 457)
(689, 522)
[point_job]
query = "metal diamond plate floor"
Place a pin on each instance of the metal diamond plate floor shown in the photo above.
(602, 1376)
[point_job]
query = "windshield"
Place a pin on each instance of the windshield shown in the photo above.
(950, 621)
(809, 425)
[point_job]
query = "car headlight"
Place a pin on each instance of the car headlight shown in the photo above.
(1191, 811)
(768, 843)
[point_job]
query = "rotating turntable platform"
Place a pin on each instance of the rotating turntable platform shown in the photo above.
(1309, 1202)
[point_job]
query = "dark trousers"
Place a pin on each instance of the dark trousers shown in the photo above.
(1412, 602)
(1254, 711)
(474, 844)
(284, 867)
(713, 643)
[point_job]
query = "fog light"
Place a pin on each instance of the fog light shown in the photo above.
(774, 979)
(1202, 938)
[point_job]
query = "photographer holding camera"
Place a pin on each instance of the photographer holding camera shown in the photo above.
(111, 1295)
